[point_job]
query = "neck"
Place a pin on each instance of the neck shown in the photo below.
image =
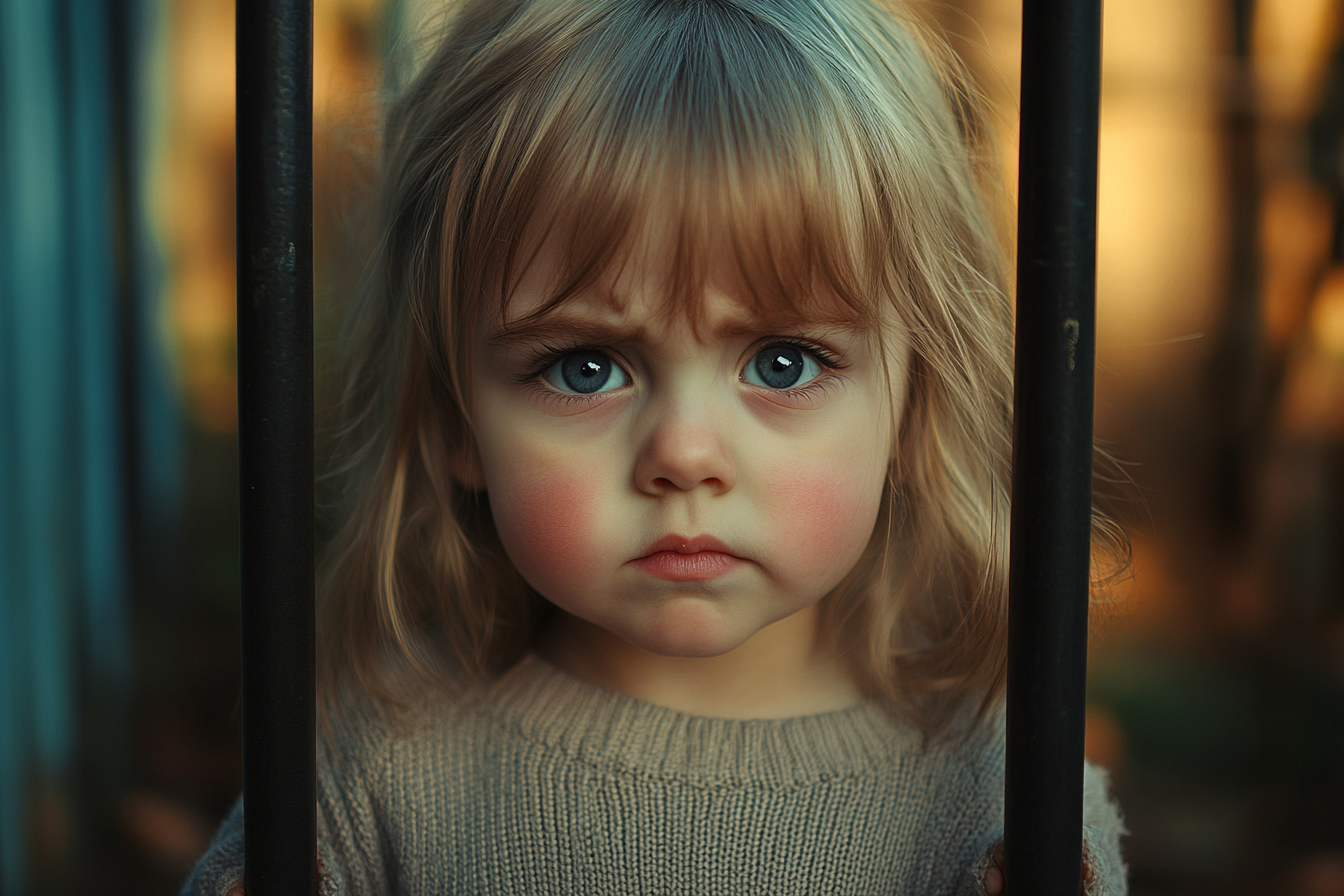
(782, 671)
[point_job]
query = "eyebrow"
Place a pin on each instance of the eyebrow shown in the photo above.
(551, 327)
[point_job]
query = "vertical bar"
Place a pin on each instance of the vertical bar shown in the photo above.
(1237, 384)
(275, 436)
(1052, 446)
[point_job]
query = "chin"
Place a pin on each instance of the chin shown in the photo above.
(690, 629)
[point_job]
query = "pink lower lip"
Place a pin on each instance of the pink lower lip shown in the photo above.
(678, 567)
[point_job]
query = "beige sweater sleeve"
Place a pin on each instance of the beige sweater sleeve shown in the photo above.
(352, 769)
(221, 868)
(352, 857)
(1102, 829)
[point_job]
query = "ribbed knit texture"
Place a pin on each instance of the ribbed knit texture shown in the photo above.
(542, 783)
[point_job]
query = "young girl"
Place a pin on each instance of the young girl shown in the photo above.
(678, 464)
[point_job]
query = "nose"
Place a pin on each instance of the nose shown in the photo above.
(684, 449)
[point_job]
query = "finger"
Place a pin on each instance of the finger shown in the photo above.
(237, 891)
(993, 881)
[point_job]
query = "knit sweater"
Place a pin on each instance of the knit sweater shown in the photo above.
(541, 783)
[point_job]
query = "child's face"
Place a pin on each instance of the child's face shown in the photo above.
(682, 486)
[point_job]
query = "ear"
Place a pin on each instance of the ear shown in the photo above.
(464, 463)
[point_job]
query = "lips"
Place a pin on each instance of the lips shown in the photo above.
(681, 544)
(678, 558)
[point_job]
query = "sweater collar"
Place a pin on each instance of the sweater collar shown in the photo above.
(539, 702)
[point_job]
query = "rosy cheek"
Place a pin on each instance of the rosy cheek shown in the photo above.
(542, 516)
(824, 517)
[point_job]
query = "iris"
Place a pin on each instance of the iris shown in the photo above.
(585, 373)
(781, 367)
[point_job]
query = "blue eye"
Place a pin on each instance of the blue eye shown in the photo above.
(585, 373)
(781, 366)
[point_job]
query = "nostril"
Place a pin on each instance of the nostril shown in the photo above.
(664, 484)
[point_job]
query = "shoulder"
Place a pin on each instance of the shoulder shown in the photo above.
(971, 751)
(363, 727)
(377, 781)
(221, 868)
(403, 739)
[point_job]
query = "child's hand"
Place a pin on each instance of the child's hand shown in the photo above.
(994, 873)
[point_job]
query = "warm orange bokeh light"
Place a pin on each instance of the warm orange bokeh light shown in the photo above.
(1327, 316)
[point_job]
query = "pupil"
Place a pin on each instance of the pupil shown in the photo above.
(586, 372)
(780, 366)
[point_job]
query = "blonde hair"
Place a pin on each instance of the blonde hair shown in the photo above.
(821, 141)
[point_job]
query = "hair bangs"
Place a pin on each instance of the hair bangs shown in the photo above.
(661, 144)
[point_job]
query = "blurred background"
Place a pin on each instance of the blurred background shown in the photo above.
(1216, 692)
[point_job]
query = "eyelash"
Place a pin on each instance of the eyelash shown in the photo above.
(546, 356)
(813, 388)
(821, 353)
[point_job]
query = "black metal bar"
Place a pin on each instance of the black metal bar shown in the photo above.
(1052, 446)
(275, 441)
(1238, 396)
